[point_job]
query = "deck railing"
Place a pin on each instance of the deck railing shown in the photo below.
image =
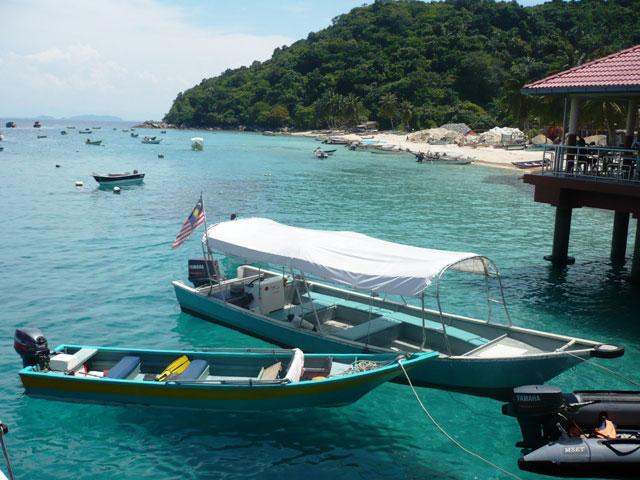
(611, 164)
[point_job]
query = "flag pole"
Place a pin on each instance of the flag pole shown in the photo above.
(208, 256)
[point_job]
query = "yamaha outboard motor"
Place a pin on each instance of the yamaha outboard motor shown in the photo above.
(537, 408)
(32, 346)
(200, 270)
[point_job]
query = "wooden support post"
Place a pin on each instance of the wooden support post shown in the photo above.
(559, 254)
(635, 266)
(619, 237)
(632, 115)
(572, 132)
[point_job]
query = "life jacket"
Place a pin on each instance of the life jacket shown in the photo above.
(609, 430)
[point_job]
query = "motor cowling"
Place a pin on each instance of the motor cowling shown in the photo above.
(536, 407)
(31, 344)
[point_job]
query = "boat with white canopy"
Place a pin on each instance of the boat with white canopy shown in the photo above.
(374, 310)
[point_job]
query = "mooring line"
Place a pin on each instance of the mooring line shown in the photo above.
(446, 434)
(608, 370)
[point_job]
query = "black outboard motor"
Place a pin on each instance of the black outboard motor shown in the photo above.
(32, 346)
(537, 408)
(200, 270)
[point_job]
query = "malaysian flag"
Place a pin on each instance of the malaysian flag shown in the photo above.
(192, 222)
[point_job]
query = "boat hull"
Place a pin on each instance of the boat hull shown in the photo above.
(331, 392)
(119, 181)
(491, 377)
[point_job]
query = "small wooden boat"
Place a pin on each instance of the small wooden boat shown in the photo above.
(71, 128)
(134, 135)
(37, 124)
(151, 140)
(112, 179)
(42, 136)
(163, 131)
(85, 131)
(125, 130)
(88, 141)
(10, 125)
(230, 380)
(438, 157)
(63, 132)
(528, 164)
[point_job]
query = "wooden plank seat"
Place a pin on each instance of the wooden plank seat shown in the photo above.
(127, 367)
(365, 329)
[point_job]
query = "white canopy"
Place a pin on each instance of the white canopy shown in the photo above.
(345, 257)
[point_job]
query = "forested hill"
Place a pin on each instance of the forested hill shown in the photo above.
(413, 64)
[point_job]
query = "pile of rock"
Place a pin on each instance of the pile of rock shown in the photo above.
(498, 135)
(437, 136)
(154, 124)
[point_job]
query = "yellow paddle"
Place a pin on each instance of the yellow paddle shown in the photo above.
(176, 367)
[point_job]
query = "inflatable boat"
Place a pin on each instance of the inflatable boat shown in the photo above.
(556, 431)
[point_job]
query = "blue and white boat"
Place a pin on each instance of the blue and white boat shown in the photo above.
(229, 380)
(478, 356)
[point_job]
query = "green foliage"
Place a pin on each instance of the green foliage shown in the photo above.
(419, 64)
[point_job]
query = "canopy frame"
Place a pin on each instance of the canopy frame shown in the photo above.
(489, 269)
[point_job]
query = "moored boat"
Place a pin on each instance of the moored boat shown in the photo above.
(479, 356)
(37, 124)
(85, 131)
(88, 141)
(320, 154)
(197, 143)
(229, 380)
(42, 136)
(152, 140)
(112, 179)
(10, 124)
(134, 135)
(63, 132)
(437, 157)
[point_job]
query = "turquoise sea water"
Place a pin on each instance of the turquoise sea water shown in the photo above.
(88, 266)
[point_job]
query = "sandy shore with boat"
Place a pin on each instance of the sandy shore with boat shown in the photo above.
(486, 155)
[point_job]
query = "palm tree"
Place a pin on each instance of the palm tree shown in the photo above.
(406, 112)
(389, 107)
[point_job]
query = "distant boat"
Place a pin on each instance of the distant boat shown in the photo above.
(152, 140)
(1, 137)
(42, 136)
(88, 141)
(112, 179)
(63, 132)
(96, 128)
(10, 125)
(85, 131)
(268, 133)
(125, 130)
(248, 379)
(37, 124)
(163, 131)
(438, 157)
(134, 135)
(114, 129)
(71, 128)
(320, 154)
(1, 149)
(197, 143)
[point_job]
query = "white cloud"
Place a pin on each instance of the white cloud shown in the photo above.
(122, 57)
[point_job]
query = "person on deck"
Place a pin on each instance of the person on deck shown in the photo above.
(606, 429)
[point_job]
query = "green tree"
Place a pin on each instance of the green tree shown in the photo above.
(278, 117)
(406, 113)
(389, 108)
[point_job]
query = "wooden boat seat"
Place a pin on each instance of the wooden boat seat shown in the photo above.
(127, 367)
(196, 370)
(365, 329)
(270, 372)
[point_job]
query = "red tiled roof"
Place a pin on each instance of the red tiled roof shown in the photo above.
(618, 72)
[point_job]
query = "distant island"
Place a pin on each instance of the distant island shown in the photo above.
(411, 64)
(94, 118)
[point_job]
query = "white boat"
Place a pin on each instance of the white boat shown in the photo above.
(152, 140)
(197, 143)
(479, 356)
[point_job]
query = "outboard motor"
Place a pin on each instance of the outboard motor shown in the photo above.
(31, 344)
(537, 408)
(200, 270)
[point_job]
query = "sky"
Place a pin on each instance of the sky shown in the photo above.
(130, 58)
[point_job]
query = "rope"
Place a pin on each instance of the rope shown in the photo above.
(608, 370)
(444, 432)
(5, 453)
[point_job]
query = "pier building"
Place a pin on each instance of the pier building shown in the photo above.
(576, 175)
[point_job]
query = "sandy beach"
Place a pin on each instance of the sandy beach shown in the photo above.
(485, 155)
